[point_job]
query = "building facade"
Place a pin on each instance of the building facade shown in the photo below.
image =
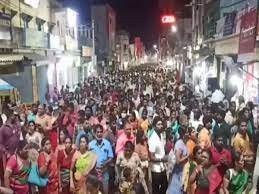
(229, 50)
(104, 18)
(122, 50)
(37, 40)
(85, 43)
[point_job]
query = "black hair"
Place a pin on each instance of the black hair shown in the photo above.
(216, 136)
(156, 120)
(83, 136)
(206, 119)
(65, 131)
(208, 151)
(195, 150)
(242, 120)
(71, 105)
(81, 113)
(34, 105)
(44, 140)
(127, 172)
(98, 126)
(139, 136)
(251, 105)
(182, 130)
(130, 145)
(9, 113)
(93, 180)
(190, 129)
(50, 109)
(222, 113)
(68, 137)
(21, 145)
(32, 122)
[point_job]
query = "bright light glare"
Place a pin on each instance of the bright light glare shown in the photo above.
(173, 28)
(71, 18)
(235, 80)
(169, 62)
(33, 3)
(155, 46)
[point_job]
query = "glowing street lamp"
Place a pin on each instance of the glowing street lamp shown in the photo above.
(173, 28)
(155, 46)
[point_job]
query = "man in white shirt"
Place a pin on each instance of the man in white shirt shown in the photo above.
(230, 117)
(156, 142)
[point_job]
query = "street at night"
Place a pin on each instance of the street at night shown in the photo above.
(129, 97)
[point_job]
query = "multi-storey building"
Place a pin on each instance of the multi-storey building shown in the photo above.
(229, 48)
(35, 43)
(105, 30)
(85, 41)
(122, 50)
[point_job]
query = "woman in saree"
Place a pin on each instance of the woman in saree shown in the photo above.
(83, 162)
(206, 175)
(17, 170)
(47, 163)
(188, 169)
(237, 179)
(181, 155)
(64, 163)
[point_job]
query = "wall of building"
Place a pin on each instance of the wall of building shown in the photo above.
(99, 15)
(22, 81)
(42, 82)
(105, 28)
(20, 7)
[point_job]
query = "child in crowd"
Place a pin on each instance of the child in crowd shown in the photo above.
(127, 184)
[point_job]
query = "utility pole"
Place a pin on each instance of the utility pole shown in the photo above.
(93, 51)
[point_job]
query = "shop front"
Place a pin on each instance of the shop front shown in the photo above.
(65, 71)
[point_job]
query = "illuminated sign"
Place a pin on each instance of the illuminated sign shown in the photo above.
(168, 19)
(33, 3)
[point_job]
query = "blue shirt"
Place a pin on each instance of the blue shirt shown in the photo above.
(103, 151)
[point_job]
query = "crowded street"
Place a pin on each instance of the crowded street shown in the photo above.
(136, 131)
(129, 97)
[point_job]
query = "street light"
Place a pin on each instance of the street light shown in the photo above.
(155, 46)
(173, 28)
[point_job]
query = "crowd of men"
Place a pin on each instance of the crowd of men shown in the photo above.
(138, 131)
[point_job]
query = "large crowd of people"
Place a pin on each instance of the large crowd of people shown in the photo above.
(139, 131)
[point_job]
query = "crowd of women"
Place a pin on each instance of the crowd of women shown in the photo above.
(139, 131)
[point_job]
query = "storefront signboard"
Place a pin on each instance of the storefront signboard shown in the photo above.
(36, 39)
(87, 51)
(247, 37)
(229, 25)
(5, 26)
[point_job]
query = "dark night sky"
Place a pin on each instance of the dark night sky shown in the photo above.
(139, 17)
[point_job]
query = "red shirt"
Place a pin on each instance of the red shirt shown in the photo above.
(217, 156)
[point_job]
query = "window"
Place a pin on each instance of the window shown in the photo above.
(26, 23)
(39, 26)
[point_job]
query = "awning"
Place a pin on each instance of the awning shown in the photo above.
(10, 58)
(38, 59)
(5, 86)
